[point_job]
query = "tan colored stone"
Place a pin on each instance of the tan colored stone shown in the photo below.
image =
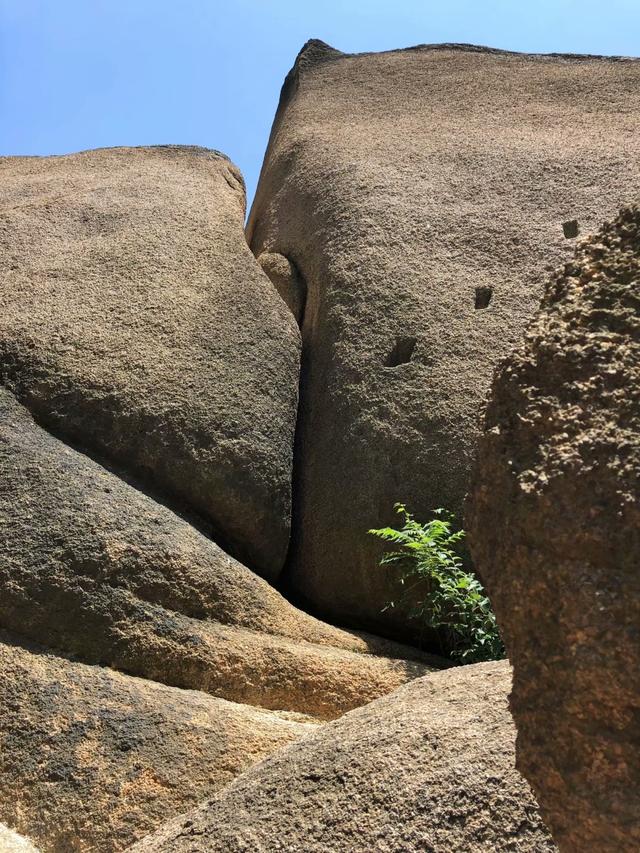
(408, 187)
(135, 322)
(95, 567)
(286, 280)
(428, 768)
(554, 518)
(92, 760)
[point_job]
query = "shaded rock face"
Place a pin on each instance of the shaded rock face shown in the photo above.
(430, 767)
(134, 320)
(554, 518)
(93, 566)
(92, 760)
(421, 195)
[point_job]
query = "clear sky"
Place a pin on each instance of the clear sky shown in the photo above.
(77, 74)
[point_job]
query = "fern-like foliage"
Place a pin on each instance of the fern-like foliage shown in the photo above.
(454, 602)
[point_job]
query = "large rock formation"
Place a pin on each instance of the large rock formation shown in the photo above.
(554, 517)
(149, 386)
(419, 197)
(134, 321)
(430, 767)
(93, 566)
(92, 760)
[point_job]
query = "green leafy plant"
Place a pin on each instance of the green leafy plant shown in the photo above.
(452, 600)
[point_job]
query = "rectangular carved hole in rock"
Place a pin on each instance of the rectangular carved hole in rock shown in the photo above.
(402, 351)
(483, 296)
(571, 228)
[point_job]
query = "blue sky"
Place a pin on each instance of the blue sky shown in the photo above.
(78, 74)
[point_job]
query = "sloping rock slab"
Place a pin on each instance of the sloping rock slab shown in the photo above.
(422, 195)
(134, 320)
(94, 567)
(554, 516)
(429, 768)
(92, 760)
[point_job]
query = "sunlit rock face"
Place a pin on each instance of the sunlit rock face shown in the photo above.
(93, 759)
(148, 398)
(136, 322)
(430, 767)
(423, 196)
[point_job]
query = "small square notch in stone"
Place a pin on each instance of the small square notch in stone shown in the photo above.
(402, 351)
(571, 228)
(483, 296)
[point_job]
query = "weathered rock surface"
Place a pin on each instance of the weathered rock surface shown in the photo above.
(92, 760)
(554, 516)
(135, 321)
(410, 189)
(149, 386)
(94, 567)
(430, 767)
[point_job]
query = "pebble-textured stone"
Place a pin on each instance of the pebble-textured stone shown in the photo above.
(95, 567)
(428, 768)
(92, 760)
(554, 518)
(135, 321)
(421, 195)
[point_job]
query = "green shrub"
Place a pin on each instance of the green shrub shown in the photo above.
(453, 601)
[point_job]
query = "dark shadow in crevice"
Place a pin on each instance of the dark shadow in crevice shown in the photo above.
(483, 296)
(402, 351)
